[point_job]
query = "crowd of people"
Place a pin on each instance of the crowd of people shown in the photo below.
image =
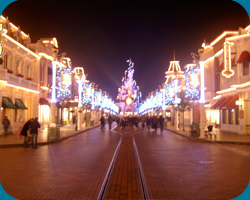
(134, 121)
(31, 127)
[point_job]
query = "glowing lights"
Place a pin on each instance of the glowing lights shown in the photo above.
(226, 90)
(128, 101)
(22, 88)
(46, 56)
(19, 45)
(192, 82)
(227, 72)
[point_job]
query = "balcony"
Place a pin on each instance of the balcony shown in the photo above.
(17, 80)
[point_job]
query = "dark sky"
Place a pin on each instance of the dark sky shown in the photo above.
(101, 35)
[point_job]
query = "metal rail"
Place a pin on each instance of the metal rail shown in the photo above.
(111, 166)
(141, 174)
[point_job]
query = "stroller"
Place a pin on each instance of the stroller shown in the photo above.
(210, 131)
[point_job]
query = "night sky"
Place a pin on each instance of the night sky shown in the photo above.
(101, 35)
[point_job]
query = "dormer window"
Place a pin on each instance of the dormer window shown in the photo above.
(245, 68)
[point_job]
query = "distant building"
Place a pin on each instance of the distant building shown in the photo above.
(129, 97)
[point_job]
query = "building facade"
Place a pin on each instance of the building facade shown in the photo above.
(227, 81)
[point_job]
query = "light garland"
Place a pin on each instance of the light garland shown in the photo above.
(192, 82)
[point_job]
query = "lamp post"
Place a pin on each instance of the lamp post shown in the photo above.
(80, 79)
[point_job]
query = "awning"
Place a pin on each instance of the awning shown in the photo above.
(7, 103)
(231, 104)
(244, 56)
(221, 67)
(44, 101)
(73, 104)
(220, 103)
(19, 104)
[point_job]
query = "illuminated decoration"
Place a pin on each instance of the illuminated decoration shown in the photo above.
(219, 38)
(227, 72)
(128, 89)
(22, 88)
(86, 93)
(174, 71)
(192, 82)
(80, 79)
(46, 56)
(173, 75)
(64, 82)
(18, 44)
(128, 101)
(98, 98)
(169, 94)
(1, 30)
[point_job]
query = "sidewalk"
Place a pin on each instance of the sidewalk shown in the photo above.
(69, 131)
(221, 136)
(42, 139)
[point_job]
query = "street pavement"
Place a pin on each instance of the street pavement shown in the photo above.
(69, 130)
(175, 166)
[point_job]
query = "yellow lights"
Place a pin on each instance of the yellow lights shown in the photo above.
(226, 90)
(217, 97)
(18, 44)
(54, 42)
(22, 88)
(13, 26)
(219, 38)
(44, 88)
(46, 41)
(46, 56)
(128, 101)
(238, 37)
(207, 105)
(194, 79)
(241, 85)
(227, 72)
(66, 80)
(238, 103)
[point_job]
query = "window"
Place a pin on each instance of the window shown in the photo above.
(41, 73)
(17, 67)
(5, 61)
(49, 77)
(245, 68)
(224, 116)
(237, 116)
(231, 116)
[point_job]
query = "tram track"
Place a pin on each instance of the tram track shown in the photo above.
(106, 181)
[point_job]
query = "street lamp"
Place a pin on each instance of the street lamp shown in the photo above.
(80, 79)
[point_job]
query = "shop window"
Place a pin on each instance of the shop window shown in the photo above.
(237, 116)
(245, 68)
(231, 116)
(224, 116)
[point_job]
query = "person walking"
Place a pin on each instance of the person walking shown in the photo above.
(102, 123)
(24, 132)
(110, 120)
(148, 122)
(34, 125)
(6, 125)
(161, 121)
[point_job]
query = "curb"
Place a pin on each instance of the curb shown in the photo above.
(51, 141)
(196, 139)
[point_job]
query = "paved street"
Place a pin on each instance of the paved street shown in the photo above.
(174, 167)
